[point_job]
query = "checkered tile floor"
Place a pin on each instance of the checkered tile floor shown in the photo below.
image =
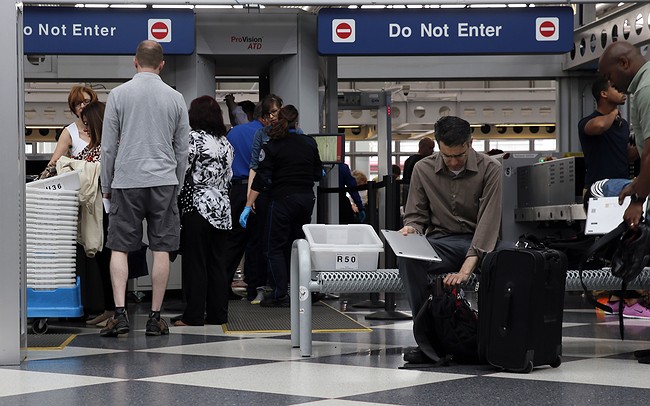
(205, 366)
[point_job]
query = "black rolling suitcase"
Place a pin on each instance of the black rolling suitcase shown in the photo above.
(521, 301)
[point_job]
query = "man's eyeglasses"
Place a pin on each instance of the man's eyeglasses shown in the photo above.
(455, 156)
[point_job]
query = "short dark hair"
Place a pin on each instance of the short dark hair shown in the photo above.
(93, 118)
(205, 114)
(248, 107)
(601, 84)
(452, 131)
(257, 113)
(149, 54)
(396, 170)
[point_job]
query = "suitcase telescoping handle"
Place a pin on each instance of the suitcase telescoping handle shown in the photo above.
(505, 326)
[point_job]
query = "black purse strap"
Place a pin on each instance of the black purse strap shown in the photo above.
(595, 247)
(422, 324)
(190, 179)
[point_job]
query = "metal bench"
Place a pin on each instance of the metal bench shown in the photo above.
(304, 281)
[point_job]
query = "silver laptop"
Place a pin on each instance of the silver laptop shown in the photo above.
(413, 246)
(605, 214)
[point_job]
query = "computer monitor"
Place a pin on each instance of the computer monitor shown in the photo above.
(331, 147)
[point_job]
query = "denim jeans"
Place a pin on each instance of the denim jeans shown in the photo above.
(612, 187)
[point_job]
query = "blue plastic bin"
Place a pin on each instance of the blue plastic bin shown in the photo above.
(60, 302)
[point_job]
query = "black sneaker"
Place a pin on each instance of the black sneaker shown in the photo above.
(416, 356)
(157, 327)
(282, 301)
(116, 325)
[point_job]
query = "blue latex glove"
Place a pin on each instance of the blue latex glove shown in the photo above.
(324, 173)
(362, 216)
(243, 218)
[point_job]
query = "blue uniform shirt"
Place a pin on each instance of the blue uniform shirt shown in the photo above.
(241, 138)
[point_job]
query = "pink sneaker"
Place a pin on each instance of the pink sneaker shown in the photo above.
(613, 306)
(636, 311)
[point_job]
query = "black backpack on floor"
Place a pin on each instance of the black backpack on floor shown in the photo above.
(446, 327)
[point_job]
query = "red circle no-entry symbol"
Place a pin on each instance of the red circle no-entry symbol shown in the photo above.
(547, 29)
(159, 30)
(343, 30)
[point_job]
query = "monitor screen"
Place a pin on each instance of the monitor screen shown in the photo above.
(331, 147)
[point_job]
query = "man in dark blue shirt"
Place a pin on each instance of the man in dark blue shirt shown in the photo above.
(604, 136)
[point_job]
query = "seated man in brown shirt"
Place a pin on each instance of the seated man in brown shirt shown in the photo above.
(455, 199)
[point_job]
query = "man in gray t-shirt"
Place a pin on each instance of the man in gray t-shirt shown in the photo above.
(627, 70)
(144, 156)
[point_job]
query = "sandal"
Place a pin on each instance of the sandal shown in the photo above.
(101, 318)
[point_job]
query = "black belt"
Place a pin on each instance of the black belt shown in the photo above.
(242, 181)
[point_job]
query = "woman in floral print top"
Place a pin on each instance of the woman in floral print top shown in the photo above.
(206, 216)
(93, 119)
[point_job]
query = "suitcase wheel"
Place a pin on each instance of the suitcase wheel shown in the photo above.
(528, 368)
(557, 362)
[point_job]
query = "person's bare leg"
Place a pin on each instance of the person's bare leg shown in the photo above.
(119, 276)
(159, 278)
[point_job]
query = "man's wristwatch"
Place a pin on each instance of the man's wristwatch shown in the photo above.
(635, 198)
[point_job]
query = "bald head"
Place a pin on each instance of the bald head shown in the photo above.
(619, 63)
(149, 55)
(426, 146)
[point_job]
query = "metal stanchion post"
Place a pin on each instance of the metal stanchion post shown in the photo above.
(392, 222)
(371, 218)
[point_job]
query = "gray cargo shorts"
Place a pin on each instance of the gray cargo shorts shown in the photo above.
(159, 205)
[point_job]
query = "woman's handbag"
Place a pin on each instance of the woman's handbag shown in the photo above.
(48, 172)
(187, 190)
(185, 199)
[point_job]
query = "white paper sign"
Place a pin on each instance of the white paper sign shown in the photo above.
(348, 262)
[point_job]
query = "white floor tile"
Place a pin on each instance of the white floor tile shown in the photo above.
(574, 324)
(308, 379)
(405, 325)
(596, 371)
(212, 330)
(627, 322)
(265, 348)
(599, 347)
(16, 382)
(340, 402)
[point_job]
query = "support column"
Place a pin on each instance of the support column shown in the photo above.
(295, 77)
(332, 127)
(12, 199)
(570, 112)
(195, 76)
